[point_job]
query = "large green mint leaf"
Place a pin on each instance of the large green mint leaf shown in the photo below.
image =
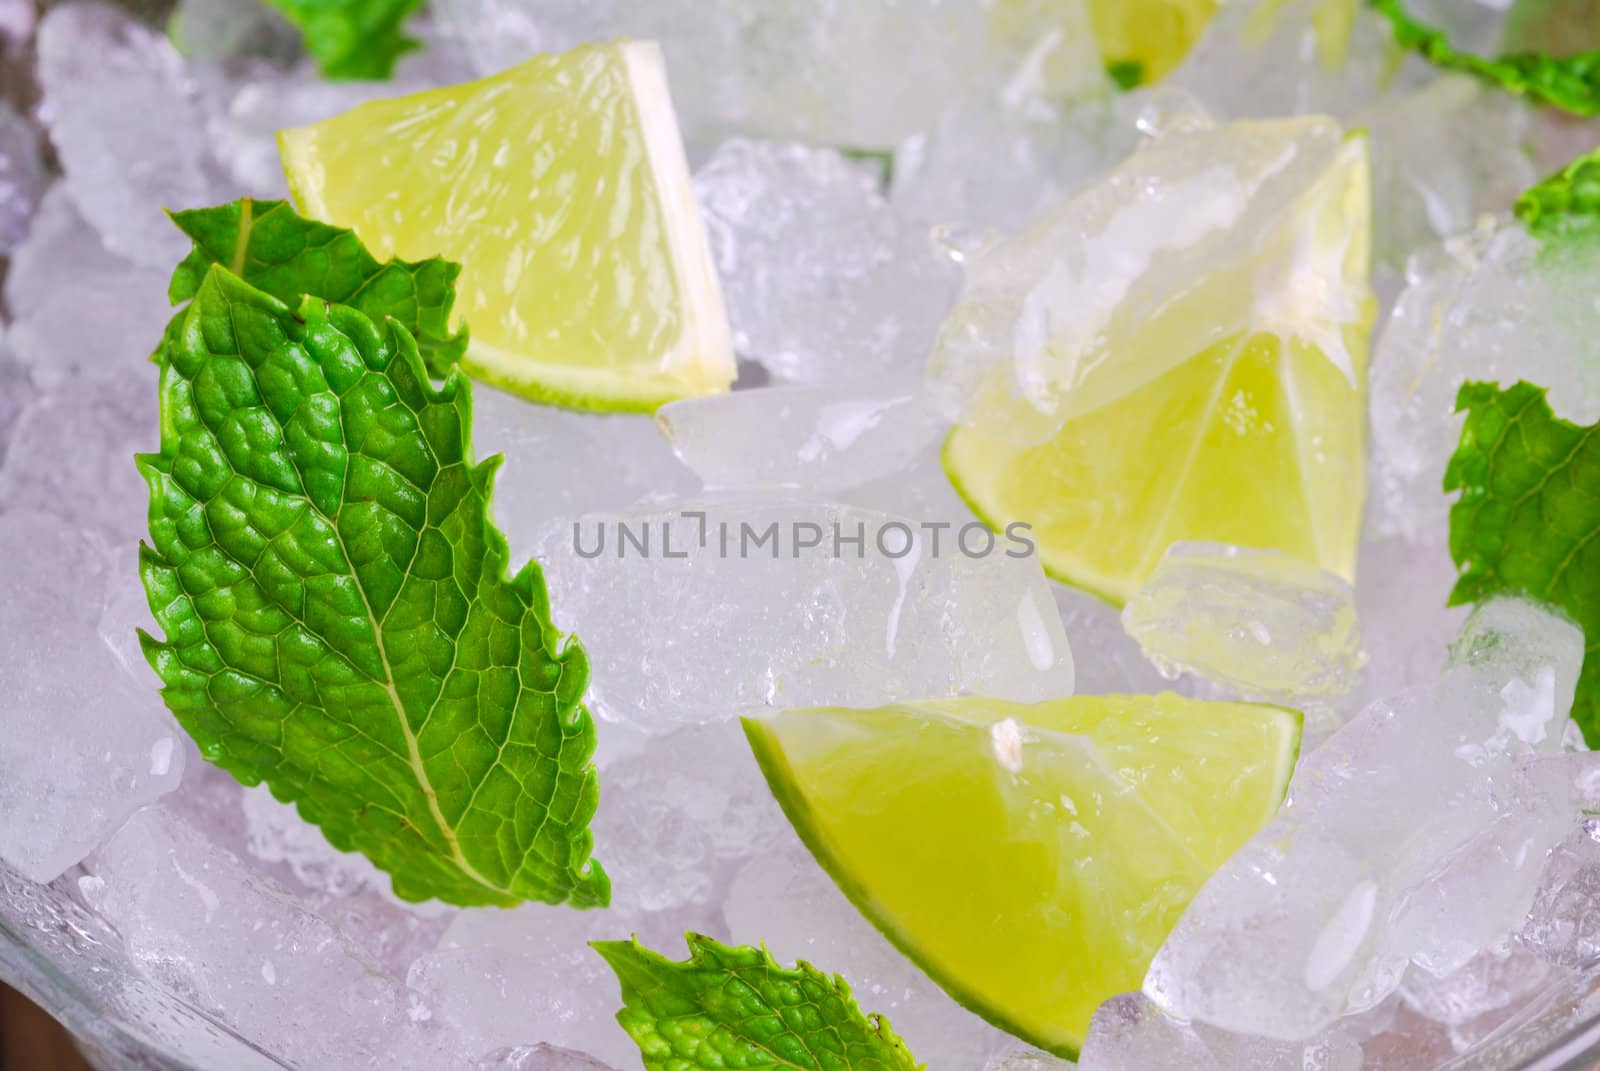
(268, 245)
(736, 1008)
(1567, 202)
(1528, 520)
(352, 38)
(1571, 83)
(339, 620)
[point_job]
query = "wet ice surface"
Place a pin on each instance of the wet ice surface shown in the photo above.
(1262, 622)
(824, 282)
(1374, 864)
(837, 265)
(725, 607)
(127, 120)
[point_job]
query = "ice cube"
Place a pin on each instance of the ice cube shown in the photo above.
(22, 177)
(86, 744)
(539, 1058)
(72, 453)
(784, 900)
(129, 127)
(79, 308)
(560, 463)
(991, 162)
(1260, 621)
(245, 950)
(811, 70)
(504, 979)
(1564, 926)
(1443, 156)
(1490, 982)
(1129, 1033)
(712, 610)
(801, 437)
(1417, 832)
(1402, 598)
(823, 282)
(1019, 1057)
(680, 815)
(1272, 58)
(1498, 306)
(279, 835)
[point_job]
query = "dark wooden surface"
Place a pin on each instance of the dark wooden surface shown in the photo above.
(32, 1041)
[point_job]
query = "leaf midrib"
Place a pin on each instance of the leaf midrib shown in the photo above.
(413, 748)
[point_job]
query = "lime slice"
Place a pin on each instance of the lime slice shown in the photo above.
(1223, 402)
(1031, 859)
(561, 187)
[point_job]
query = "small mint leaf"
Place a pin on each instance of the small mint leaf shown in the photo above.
(339, 618)
(1566, 203)
(736, 1007)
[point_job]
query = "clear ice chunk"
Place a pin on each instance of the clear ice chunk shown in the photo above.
(1273, 58)
(1564, 926)
(1377, 861)
(1499, 306)
(1129, 1033)
(560, 463)
(801, 437)
(86, 742)
(520, 978)
(539, 1058)
(129, 126)
(243, 949)
(679, 815)
(1489, 982)
(1442, 157)
(1403, 601)
(811, 70)
(712, 610)
(72, 453)
(824, 283)
(1262, 622)
(784, 900)
(78, 307)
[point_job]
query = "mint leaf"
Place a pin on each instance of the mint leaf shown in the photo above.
(269, 246)
(1571, 83)
(1528, 520)
(1565, 203)
(735, 1007)
(352, 38)
(338, 618)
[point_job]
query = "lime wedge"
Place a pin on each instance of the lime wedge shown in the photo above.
(561, 187)
(1223, 404)
(1152, 35)
(1031, 859)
